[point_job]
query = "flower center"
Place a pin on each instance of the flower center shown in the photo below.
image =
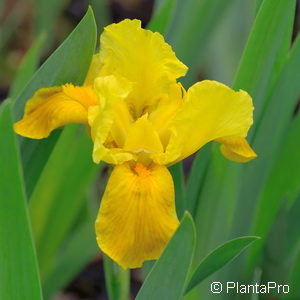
(141, 170)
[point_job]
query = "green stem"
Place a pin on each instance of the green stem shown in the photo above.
(117, 280)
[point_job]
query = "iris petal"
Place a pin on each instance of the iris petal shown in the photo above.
(50, 108)
(237, 149)
(143, 137)
(110, 122)
(211, 111)
(137, 214)
(142, 57)
(94, 70)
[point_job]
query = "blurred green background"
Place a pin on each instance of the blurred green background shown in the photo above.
(22, 22)
(248, 44)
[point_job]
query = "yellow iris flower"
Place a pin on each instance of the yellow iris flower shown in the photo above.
(141, 120)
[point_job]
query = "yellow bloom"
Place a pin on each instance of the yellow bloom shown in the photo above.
(141, 120)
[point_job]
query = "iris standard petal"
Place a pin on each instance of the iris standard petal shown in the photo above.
(211, 111)
(110, 122)
(137, 214)
(50, 108)
(144, 58)
(166, 109)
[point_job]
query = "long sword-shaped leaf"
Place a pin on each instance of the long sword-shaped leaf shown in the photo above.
(179, 185)
(266, 50)
(192, 27)
(264, 56)
(279, 186)
(293, 280)
(196, 178)
(163, 14)
(59, 194)
(268, 144)
(69, 63)
(19, 279)
(218, 258)
(268, 45)
(167, 278)
(72, 258)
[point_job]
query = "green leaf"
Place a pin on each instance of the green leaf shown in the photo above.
(192, 27)
(289, 230)
(167, 278)
(215, 202)
(258, 5)
(179, 185)
(293, 279)
(163, 14)
(72, 259)
(196, 178)
(58, 196)
(27, 68)
(69, 63)
(219, 258)
(266, 51)
(102, 13)
(278, 188)
(268, 147)
(19, 278)
(261, 73)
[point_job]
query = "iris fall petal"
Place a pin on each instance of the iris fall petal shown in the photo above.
(50, 108)
(211, 111)
(137, 214)
(237, 149)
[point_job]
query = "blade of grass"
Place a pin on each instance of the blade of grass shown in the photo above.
(218, 258)
(19, 278)
(69, 63)
(167, 278)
